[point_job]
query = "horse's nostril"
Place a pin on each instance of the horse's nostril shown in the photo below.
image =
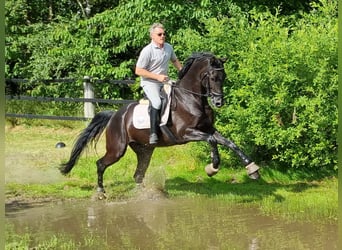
(218, 104)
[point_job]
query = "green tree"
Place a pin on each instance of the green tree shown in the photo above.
(281, 87)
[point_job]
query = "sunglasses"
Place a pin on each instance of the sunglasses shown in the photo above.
(161, 34)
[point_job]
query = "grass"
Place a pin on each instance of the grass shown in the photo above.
(30, 152)
(60, 241)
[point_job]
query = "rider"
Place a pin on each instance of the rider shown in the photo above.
(152, 67)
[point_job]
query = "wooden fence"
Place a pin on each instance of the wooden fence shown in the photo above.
(88, 99)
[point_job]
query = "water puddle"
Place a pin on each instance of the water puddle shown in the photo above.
(165, 224)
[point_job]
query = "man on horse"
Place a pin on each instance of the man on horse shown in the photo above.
(201, 78)
(152, 66)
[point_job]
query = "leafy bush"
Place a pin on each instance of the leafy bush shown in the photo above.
(282, 85)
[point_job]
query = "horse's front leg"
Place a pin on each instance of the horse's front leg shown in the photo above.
(196, 135)
(251, 167)
(213, 168)
(144, 154)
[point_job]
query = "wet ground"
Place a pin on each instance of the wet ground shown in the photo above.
(166, 224)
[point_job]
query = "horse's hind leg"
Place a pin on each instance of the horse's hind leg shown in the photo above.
(113, 154)
(101, 167)
(144, 154)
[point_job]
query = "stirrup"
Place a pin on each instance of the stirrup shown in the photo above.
(153, 138)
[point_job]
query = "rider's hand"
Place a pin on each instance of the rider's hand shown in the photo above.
(163, 78)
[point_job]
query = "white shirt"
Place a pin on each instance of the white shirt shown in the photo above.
(156, 60)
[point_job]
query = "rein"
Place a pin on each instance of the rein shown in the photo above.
(172, 83)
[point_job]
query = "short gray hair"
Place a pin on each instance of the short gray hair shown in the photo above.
(154, 26)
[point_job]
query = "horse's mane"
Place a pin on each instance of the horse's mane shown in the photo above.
(188, 62)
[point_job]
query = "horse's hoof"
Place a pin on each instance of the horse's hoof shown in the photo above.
(101, 193)
(255, 175)
(210, 170)
(101, 196)
(138, 187)
(252, 171)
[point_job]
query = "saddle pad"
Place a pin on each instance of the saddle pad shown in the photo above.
(141, 117)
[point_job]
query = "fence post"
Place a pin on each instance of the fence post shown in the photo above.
(89, 107)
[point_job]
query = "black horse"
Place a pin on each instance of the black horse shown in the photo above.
(191, 119)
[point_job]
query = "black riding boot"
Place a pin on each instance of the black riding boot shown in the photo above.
(154, 119)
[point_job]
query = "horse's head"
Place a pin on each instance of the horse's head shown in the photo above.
(212, 81)
(209, 74)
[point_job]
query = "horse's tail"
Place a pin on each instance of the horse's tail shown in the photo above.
(89, 134)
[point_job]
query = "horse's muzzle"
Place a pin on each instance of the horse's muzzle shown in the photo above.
(217, 101)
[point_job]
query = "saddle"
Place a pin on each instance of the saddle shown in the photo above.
(141, 116)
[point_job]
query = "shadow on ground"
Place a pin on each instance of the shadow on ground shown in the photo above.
(248, 191)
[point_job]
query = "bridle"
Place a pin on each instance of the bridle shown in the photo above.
(209, 93)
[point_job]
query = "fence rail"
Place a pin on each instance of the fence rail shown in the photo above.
(88, 99)
(62, 99)
(46, 117)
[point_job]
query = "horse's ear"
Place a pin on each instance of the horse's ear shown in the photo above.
(223, 60)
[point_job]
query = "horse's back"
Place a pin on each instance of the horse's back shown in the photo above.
(123, 117)
(121, 125)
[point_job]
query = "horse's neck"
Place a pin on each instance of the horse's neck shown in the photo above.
(191, 82)
(190, 85)
(189, 89)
